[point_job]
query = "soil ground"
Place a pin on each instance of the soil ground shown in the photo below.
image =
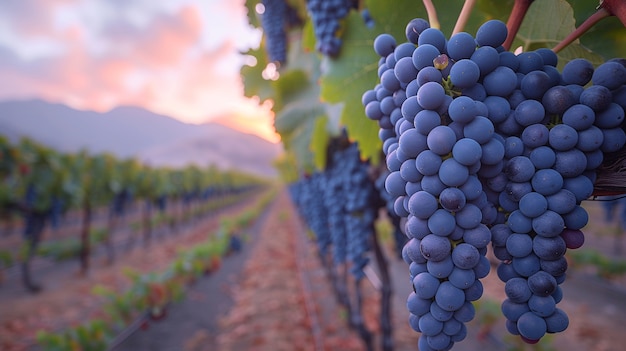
(276, 295)
(67, 298)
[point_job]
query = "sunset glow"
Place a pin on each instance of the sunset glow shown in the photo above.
(178, 58)
(249, 122)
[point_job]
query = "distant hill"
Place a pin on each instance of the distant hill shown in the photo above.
(136, 132)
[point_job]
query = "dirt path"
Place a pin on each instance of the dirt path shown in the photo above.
(274, 295)
(274, 308)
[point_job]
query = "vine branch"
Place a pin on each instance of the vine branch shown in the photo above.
(616, 8)
(466, 11)
(606, 9)
(520, 7)
(600, 14)
(432, 14)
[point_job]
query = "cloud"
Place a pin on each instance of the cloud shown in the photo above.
(31, 18)
(164, 40)
(177, 57)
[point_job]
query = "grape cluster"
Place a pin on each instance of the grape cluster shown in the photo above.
(361, 206)
(34, 217)
(483, 145)
(273, 21)
(57, 210)
(120, 202)
(35, 223)
(340, 205)
(367, 18)
(312, 207)
(334, 200)
(561, 131)
(161, 203)
(326, 16)
(447, 237)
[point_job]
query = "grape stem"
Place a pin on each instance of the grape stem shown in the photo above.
(520, 7)
(466, 11)
(616, 8)
(432, 14)
(606, 9)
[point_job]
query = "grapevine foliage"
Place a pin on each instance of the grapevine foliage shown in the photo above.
(547, 31)
(356, 64)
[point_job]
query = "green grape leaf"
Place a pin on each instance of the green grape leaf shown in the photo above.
(308, 37)
(252, 16)
(300, 57)
(296, 131)
(253, 82)
(288, 86)
(574, 51)
(346, 79)
(297, 104)
(297, 92)
(295, 114)
(319, 142)
(607, 37)
(298, 142)
(546, 23)
(285, 164)
(494, 9)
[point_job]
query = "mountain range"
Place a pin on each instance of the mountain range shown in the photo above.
(129, 131)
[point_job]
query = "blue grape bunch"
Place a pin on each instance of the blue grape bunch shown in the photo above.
(361, 208)
(559, 128)
(482, 146)
(311, 206)
(327, 16)
(447, 237)
(334, 199)
(340, 205)
(274, 22)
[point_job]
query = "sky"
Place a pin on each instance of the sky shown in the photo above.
(177, 57)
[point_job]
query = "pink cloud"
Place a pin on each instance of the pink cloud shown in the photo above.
(200, 89)
(160, 63)
(31, 18)
(111, 73)
(165, 40)
(174, 36)
(193, 90)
